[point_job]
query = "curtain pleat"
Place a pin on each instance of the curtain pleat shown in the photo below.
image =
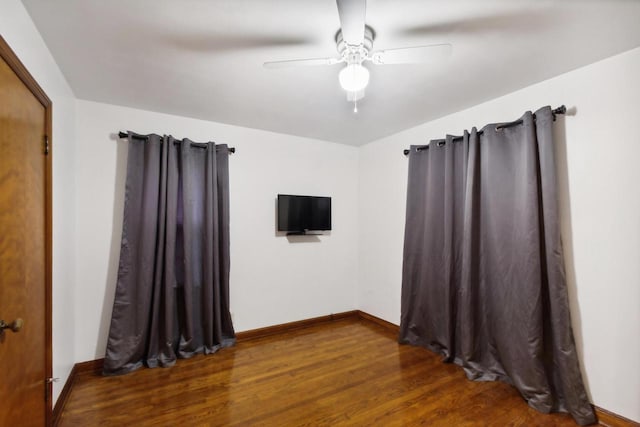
(172, 294)
(483, 274)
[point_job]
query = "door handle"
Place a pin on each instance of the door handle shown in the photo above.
(14, 326)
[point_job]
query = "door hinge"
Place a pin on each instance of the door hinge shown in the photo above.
(46, 145)
(47, 387)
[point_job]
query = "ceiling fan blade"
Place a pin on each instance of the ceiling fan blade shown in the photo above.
(352, 16)
(412, 55)
(301, 62)
(214, 42)
(520, 19)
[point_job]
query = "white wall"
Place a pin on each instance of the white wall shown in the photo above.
(598, 155)
(274, 279)
(18, 30)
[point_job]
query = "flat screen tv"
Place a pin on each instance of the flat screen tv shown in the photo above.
(299, 214)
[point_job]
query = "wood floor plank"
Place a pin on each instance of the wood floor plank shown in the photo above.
(345, 372)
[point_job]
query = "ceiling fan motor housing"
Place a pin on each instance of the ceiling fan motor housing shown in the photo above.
(358, 53)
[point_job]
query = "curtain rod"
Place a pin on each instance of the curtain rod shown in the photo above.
(560, 110)
(125, 135)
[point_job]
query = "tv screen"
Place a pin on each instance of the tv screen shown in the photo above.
(303, 213)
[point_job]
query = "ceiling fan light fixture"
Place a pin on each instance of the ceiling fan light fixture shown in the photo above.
(353, 77)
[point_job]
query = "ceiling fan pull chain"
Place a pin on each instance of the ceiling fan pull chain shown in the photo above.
(355, 105)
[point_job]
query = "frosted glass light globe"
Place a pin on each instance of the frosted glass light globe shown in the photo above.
(353, 78)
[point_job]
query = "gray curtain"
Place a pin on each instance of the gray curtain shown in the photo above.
(483, 273)
(172, 294)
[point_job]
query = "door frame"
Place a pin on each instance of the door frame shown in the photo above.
(9, 56)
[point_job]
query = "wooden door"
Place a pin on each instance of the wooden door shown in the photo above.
(25, 357)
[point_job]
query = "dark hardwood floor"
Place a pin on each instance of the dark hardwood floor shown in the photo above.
(345, 372)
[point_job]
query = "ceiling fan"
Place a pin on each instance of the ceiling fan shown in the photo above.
(354, 42)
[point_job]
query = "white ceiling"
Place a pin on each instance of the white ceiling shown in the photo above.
(203, 58)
